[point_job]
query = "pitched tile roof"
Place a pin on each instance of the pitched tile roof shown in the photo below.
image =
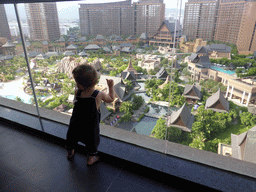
(130, 68)
(49, 54)
(126, 49)
(83, 53)
(92, 47)
(62, 39)
(201, 50)
(116, 48)
(196, 89)
(128, 75)
(131, 38)
(185, 115)
(99, 37)
(218, 96)
(193, 57)
(68, 53)
(144, 36)
(8, 44)
(106, 49)
(161, 73)
(243, 145)
(220, 48)
(71, 46)
(118, 38)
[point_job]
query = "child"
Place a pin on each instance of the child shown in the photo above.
(84, 122)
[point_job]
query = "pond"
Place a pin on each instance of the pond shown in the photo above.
(146, 124)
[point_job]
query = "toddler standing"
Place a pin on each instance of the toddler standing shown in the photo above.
(85, 119)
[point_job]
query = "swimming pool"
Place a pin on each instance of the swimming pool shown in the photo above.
(223, 70)
(24, 97)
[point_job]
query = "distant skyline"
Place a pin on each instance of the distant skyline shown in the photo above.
(69, 9)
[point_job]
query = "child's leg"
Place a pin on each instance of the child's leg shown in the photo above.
(71, 143)
(92, 148)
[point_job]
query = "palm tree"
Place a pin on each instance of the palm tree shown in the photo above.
(126, 107)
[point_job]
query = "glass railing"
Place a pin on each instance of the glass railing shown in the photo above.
(159, 92)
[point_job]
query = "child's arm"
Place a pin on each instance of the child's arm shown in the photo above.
(110, 97)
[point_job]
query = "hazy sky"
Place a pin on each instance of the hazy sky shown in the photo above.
(168, 3)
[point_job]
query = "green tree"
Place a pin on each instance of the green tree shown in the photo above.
(137, 101)
(126, 107)
(159, 130)
(247, 119)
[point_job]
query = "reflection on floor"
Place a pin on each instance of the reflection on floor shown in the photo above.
(32, 162)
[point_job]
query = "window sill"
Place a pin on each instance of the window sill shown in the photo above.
(202, 167)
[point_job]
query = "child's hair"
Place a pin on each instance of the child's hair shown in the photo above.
(85, 75)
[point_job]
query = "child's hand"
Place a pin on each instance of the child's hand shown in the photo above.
(110, 82)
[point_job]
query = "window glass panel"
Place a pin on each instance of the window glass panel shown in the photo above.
(131, 44)
(14, 78)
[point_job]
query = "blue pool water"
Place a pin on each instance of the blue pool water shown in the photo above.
(24, 97)
(223, 70)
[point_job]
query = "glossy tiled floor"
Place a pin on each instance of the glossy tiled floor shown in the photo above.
(29, 162)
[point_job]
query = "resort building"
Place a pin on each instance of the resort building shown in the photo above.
(218, 51)
(192, 93)
(43, 21)
(9, 48)
(165, 35)
(199, 19)
(182, 119)
(165, 50)
(4, 26)
(73, 48)
(131, 69)
(242, 91)
(92, 47)
(246, 42)
(199, 66)
(189, 47)
(217, 102)
(229, 20)
(149, 64)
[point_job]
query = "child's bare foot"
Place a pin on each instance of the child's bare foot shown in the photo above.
(92, 159)
(71, 154)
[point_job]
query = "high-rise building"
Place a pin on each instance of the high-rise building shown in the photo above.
(4, 26)
(122, 18)
(199, 19)
(246, 42)
(43, 21)
(228, 20)
(148, 16)
(106, 18)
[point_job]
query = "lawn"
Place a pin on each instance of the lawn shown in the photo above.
(225, 136)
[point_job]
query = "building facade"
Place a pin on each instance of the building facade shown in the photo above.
(199, 19)
(246, 42)
(43, 21)
(106, 18)
(121, 18)
(4, 26)
(229, 20)
(148, 16)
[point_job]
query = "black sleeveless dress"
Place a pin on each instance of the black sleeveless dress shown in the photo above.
(84, 123)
